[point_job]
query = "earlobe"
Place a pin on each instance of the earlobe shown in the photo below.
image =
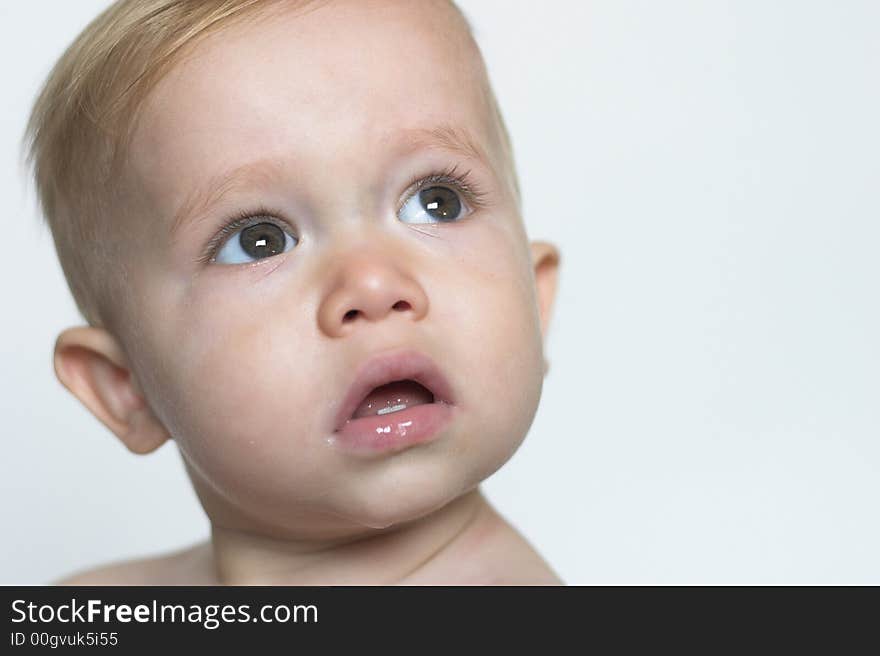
(545, 261)
(91, 365)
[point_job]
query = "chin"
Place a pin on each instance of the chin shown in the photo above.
(403, 492)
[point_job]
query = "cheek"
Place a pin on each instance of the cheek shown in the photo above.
(245, 391)
(495, 297)
(495, 338)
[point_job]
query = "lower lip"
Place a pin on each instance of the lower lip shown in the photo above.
(393, 431)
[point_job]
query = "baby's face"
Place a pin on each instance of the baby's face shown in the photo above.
(244, 343)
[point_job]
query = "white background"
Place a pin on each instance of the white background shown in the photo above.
(710, 171)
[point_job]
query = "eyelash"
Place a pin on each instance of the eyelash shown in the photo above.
(243, 219)
(473, 195)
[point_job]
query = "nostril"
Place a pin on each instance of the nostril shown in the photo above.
(350, 315)
(401, 305)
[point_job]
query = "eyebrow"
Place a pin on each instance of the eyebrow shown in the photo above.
(448, 137)
(202, 199)
(457, 140)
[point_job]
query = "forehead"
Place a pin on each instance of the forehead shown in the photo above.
(317, 86)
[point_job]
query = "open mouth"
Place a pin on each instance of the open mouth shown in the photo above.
(393, 397)
(395, 400)
(391, 382)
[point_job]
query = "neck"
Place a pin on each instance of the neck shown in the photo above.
(386, 557)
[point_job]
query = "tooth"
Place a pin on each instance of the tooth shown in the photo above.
(394, 408)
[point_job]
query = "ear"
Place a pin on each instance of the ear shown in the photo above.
(545, 261)
(91, 365)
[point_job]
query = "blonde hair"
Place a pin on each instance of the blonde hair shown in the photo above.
(84, 116)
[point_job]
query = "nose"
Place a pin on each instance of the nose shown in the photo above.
(369, 287)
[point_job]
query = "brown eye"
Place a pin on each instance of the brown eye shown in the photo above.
(434, 204)
(262, 240)
(440, 203)
(255, 242)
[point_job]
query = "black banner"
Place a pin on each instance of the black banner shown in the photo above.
(132, 619)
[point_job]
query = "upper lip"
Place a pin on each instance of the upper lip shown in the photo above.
(404, 364)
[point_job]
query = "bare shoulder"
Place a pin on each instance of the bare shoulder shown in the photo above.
(187, 566)
(510, 559)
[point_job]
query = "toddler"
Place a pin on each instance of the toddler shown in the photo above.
(293, 230)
